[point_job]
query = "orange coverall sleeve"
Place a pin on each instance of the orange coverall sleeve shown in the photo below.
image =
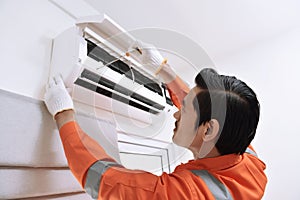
(178, 90)
(81, 150)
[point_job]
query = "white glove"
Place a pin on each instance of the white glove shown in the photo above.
(152, 60)
(57, 98)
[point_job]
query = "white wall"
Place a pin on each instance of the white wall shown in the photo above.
(26, 32)
(271, 68)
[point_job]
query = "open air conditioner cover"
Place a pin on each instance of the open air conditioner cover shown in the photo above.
(91, 55)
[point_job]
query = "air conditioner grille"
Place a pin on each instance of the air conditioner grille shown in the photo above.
(117, 97)
(99, 54)
(97, 79)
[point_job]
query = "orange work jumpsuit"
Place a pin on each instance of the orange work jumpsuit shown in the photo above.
(225, 177)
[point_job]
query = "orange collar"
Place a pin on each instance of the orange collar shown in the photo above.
(212, 164)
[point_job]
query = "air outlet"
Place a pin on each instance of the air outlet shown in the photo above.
(104, 86)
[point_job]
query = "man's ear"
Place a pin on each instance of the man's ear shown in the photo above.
(212, 130)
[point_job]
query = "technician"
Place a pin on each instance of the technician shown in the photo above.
(216, 120)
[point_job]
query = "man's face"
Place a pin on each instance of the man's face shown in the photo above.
(185, 132)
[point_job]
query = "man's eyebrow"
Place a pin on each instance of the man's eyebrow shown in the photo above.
(183, 102)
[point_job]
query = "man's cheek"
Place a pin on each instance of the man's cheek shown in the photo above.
(183, 137)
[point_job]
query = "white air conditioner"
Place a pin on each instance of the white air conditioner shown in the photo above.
(91, 58)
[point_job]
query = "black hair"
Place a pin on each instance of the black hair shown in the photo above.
(233, 104)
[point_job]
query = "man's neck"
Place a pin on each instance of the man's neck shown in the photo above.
(213, 153)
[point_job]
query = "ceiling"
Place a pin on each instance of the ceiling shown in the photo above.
(220, 27)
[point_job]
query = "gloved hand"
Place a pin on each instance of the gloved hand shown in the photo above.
(57, 98)
(152, 60)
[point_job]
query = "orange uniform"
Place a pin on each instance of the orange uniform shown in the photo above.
(225, 177)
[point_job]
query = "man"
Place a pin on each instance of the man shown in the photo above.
(217, 121)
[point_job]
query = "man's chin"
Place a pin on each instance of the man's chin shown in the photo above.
(178, 141)
(174, 139)
(174, 133)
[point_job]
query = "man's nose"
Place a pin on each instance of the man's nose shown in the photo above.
(176, 115)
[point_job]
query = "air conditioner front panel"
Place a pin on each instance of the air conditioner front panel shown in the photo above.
(101, 74)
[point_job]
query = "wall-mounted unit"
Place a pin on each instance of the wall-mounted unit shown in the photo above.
(91, 58)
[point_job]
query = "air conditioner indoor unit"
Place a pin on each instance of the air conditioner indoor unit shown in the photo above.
(91, 58)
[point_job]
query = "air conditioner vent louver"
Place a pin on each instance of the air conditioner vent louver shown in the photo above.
(97, 53)
(96, 81)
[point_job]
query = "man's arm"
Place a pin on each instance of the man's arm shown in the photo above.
(178, 90)
(64, 117)
(82, 152)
